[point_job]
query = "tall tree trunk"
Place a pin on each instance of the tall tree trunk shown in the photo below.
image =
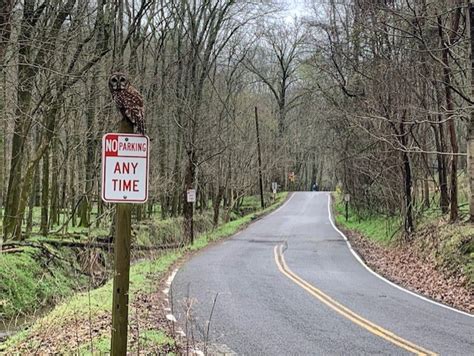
(217, 205)
(440, 142)
(45, 195)
(54, 209)
(407, 182)
(188, 210)
(470, 136)
(447, 74)
(6, 7)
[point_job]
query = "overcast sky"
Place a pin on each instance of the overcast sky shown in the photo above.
(295, 8)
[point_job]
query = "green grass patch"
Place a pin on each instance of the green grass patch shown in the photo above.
(101, 346)
(155, 338)
(375, 227)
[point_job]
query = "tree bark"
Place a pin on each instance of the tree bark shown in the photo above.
(470, 136)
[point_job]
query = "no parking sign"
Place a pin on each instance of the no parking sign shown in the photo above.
(125, 161)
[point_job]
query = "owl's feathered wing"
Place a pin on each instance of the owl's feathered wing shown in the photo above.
(130, 104)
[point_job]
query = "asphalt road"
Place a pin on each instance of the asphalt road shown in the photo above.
(289, 285)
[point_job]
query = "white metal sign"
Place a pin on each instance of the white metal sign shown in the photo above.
(274, 187)
(125, 161)
(191, 195)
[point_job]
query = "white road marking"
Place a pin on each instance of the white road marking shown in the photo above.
(357, 257)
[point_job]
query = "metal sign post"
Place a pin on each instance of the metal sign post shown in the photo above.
(347, 199)
(274, 189)
(191, 198)
(125, 158)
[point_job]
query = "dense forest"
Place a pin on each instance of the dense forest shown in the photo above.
(369, 99)
(202, 71)
(372, 96)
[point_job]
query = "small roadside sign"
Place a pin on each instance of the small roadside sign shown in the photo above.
(347, 197)
(125, 162)
(191, 195)
(274, 187)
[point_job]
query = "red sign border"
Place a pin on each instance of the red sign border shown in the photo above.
(133, 201)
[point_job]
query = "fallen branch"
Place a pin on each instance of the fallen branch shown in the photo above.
(101, 245)
(12, 250)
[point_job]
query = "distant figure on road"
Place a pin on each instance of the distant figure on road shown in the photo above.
(314, 188)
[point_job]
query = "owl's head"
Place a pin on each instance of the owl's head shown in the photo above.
(118, 81)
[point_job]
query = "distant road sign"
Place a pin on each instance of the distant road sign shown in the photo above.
(274, 187)
(191, 195)
(125, 162)
(291, 176)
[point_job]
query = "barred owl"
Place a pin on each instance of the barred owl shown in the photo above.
(128, 101)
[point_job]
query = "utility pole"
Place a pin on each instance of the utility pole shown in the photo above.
(470, 136)
(262, 201)
(123, 235)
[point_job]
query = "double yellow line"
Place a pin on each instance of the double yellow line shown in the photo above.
(347, 313)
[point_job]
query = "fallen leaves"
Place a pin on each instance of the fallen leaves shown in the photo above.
(415, 270)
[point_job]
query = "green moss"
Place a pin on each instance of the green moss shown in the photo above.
(455, 250)
(99, 300)
(31, 279)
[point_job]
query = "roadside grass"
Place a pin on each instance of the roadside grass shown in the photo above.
(101, 346)
(381, 229)
(143, 276)
(155, 338)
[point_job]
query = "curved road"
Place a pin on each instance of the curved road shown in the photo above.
(289, 285)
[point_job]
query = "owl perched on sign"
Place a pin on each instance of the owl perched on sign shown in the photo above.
(128, 101)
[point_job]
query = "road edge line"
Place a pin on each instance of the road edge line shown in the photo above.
(347, 313)
(361, 261)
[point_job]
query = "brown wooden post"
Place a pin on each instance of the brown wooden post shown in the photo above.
(123, 234)
(260, 179)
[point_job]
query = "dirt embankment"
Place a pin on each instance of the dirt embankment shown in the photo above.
(437, 262)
